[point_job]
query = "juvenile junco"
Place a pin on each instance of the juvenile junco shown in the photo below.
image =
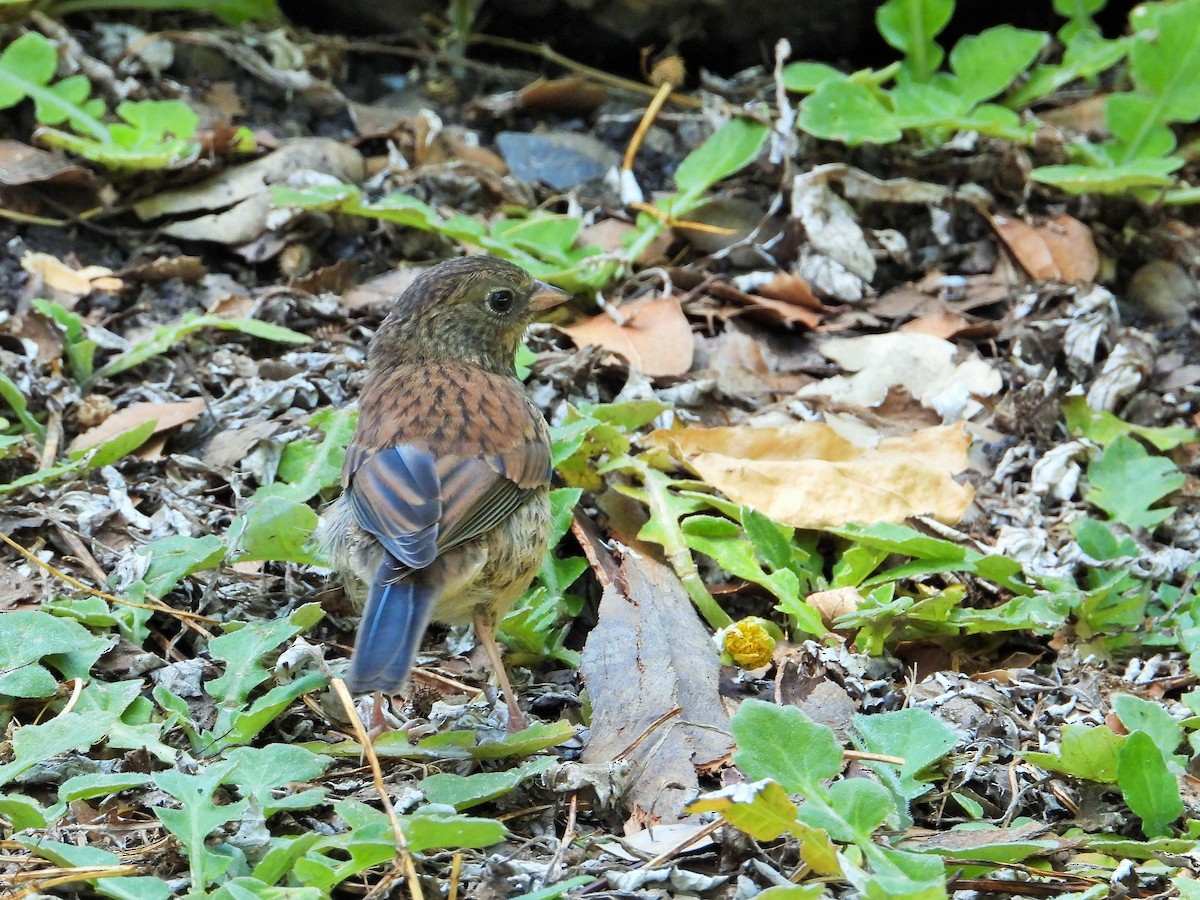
(444, 513)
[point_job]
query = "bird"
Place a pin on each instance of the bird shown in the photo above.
(444, 513)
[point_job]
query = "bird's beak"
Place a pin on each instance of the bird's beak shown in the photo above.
(546, 296)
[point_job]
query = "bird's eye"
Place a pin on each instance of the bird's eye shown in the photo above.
(500, 301)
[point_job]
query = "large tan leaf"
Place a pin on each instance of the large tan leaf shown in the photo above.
(808, 476)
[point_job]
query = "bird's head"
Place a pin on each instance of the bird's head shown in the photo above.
(471, 309)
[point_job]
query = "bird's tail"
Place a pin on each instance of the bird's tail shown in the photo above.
(398, 610)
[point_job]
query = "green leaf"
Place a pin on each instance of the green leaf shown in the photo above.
(806, 77)
(985, 64)
(1085, 752)
(310, 466)
(1125, 482)
(174, 558)
(79, 349)
(1103, 427)
(27, 66)
(155, 134)
(132, 728)
(100, 784)
(910, 26)
(916, 736)
(1165, 66)
(15, 398)
(848, 112)
(198, 817)
(1116, 179)
(277, 527)
(265, 772)
(1147, 785)
(21, 813)
(783, 744)
(32, 640)
(34, 744)
(1137, 714)
(135, 887)
(231, 12)
(731, 148)
(242, 650)
(463, 792)
(863, 804)
(167, 337)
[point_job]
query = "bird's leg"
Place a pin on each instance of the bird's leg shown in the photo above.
(486, 632)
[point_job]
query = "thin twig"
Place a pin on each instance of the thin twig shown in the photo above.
(360, 733)
(189, 619)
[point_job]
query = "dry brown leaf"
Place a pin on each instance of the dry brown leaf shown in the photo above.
(572, 94)
(22, 165)
(1060, 249)
(835, 603)
(944, 324)
(648, 656)
(251, 180)
(164, 415)
(1071, 247)
(57, 275)
(808, 476)
(653, 335)
(789, 288)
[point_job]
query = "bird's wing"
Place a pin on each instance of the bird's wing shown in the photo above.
(419, 504)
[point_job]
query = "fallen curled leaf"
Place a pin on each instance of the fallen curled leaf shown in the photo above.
(22, 165)
(58, 276)
(1059, 249)
(834, 603)
(808, 476)
(164, 415)
(924, 366)
(653, 335)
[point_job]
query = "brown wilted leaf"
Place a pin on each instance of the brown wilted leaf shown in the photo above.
(164, 415)
(1060, 249)
(648, 657)
(808, 476)
(653, 335)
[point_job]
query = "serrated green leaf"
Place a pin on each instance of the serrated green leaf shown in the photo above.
(1125, 481)
(198, 817)
(260, 772)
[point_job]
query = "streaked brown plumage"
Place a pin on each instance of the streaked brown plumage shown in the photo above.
(445, 514)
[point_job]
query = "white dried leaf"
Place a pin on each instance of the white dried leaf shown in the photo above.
(1058, 472)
